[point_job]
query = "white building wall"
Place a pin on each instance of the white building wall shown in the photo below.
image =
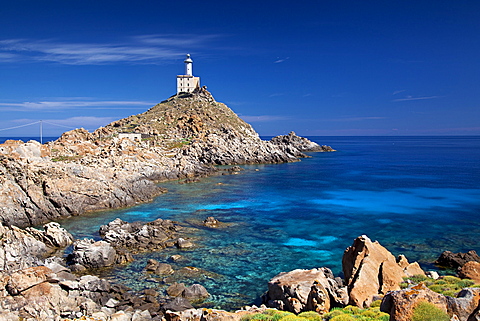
(187, 84)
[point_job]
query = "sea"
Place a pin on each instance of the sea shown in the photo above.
(417, 196)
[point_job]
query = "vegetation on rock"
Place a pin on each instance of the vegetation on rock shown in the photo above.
(356, 314)
(349, 313)
(426, 311)
(447, 285)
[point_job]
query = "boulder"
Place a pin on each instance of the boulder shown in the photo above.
(176, 289)
(456, 260)
(400, 304)
(305, 290)
(183, 243)
(177, 304)
(470, 270)
(53, 235)
(371, 270)
(93, 254)
(195, 293)
(24, 279)
(210, 222)
(159, 268)
(466, 305)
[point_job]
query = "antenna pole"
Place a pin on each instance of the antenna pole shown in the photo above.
(41, 132)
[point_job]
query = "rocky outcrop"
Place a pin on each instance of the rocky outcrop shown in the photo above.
(370, 270)
(456, 260)
(20, 249)
(91, 254)
(305, 290)
(194, 293)
(401, 304)
(300, 143)
(37, 293)
(139, 236)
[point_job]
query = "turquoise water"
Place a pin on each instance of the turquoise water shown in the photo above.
(417, 196)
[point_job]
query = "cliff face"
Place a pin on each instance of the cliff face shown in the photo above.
(81, 171)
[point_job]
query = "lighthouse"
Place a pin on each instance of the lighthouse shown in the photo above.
(187, 83)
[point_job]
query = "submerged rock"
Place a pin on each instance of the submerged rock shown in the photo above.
(159, 268)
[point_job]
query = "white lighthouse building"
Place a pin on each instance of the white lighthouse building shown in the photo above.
(187, 83)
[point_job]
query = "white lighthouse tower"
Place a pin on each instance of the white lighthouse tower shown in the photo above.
(187, 83)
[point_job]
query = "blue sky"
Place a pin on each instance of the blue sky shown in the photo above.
(319, 68)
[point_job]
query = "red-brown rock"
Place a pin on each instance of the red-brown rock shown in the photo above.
(370, 270)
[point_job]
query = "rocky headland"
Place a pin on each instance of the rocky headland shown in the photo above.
(119, 165)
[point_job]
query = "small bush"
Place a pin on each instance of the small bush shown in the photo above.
(333, 313)
(292, 318)
(376, 304)
(417, 278)
(344, 317)
(311, 316)
(425, 311)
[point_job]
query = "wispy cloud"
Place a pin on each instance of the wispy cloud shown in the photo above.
(56, 105)
(350, 119)
(144, 49)
(262, 118)
(276, 95)
(280, 60)
(409, 98)
(396, 92)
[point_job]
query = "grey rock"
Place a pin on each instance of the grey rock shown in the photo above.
(177, 304)
(195, 293)
(93, 254)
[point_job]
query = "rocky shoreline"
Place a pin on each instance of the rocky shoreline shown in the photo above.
(120, 165)
(37, 282)
(183, 137)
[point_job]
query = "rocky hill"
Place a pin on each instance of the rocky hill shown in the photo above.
(181, 137)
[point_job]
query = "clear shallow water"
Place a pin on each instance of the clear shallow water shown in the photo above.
(417, 196)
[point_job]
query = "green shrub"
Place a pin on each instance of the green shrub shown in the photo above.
(333, 313)
(376, 304)
(291, 318)
(417, 278)
(425, 311)
(311, 316)
(344, 317)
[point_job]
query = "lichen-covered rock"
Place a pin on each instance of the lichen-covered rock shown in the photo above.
(470, 270)
(400, 304)
(305, 290)
(370, 270)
